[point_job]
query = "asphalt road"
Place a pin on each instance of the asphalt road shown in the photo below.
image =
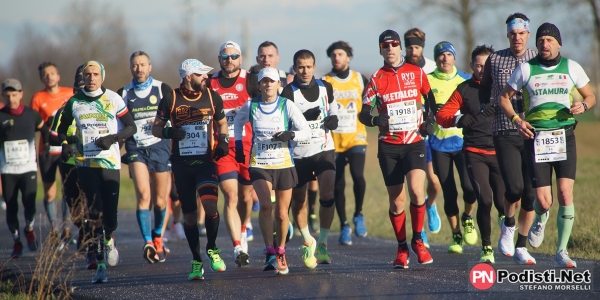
(363, 270)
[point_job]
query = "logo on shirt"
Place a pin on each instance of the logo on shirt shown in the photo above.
(229, 96)
(132, 100)
(182, 112)
(153, 99)
(239, 87)
(400, 95)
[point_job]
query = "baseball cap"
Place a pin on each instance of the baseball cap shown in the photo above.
(389, 35)
(12, 83)
(230, 44)
(271, 73)
(193, 66)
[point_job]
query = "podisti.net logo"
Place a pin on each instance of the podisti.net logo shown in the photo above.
(482, 276)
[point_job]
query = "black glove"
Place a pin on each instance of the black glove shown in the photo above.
(106, 141)
(283, 136)
(381, 120)
(488, 110)
(427, 126)
(239, 156)
(72, 139)
(466, 121)
(331, 122)
(66, 153)
(222, 148)
(7, 127)
(174, 133)
(312, 114)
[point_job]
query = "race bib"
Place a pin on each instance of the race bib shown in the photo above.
(550, 146)
(269, 153)
(143, 137)
(16, 152)
(195, 141)
(230, 115)
(317, 133)
(90, 135)
(346, 120)
(403, 116)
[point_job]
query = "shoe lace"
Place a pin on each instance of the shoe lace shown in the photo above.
(536, 228)
(468, 225)
(563, 254)
(305, 251)
(196, 266)
(420, 247)
(487, 251)
(281, 259)
(214, 254)
(457, 238)
(322, 249)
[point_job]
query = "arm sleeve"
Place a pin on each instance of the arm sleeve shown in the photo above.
(44, 129)
(445, 116)
(218, 103)
(369, 100)
(485, 88)
(252, 85)
(66, 119)
(129, 128)
(333, 107)
(166, 91)
(164, 108)
(241, 118)
(299, 124)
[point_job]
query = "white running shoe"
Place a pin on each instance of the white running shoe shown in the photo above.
(179, 230)
(536, 232)
(506, 243)
(112, 255)
(562, 260)
(167, 235)
(244, 241)
(523, 257)
(2, 204)
(241, 257)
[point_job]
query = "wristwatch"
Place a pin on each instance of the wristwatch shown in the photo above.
(585, 107)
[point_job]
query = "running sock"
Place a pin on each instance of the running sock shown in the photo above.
(521, 241)
(417, 219)
(323, 235)
(564, 221)
(212, 228)
(312, 199)
(159, 219)
(237, 243)
(51, 211)
(306, 234)
(270, 250)
(193, 238)
(399, 225)
(509, 221)
(539, 212)
(243, 228)
(466, 217)
(99, 245)
(280, 250)
(145, 223)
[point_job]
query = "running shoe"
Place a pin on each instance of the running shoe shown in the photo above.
(244, 241)
(150, 252)
(167, 235)
(270, 262)
(197, 271)
(100, 276)
(255, 206)
(487, 255)
(323, 254)
(282, 266)
(32, 242)
(249, 232)
(161, 253)
(201, 229)
(313, 224)
(401, 261)
(110, 251)
(241, 257)
(290, 233)
(167, 250)
(423, 256)
(501, 220)
(345, 235)
(562, 260)
(359, 226)
(506, 243)
(90, 261)
(179, 231)
(470, 236)
(17, 250)
(433, 218)
(424, 238)
(216, 263)
(456, 246)
(536, 232)
(523, 257)
(308, 254)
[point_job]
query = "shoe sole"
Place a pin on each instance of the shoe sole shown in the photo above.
(400, 266)
(250, 238)
(455, 252)
(196, 278)
(527, 262)
(324, 261)
(282, 272)
(105, 280)
(568, 266)
(242, 259)
(150, 254)
(421, 263)
(346, 244)
(269, 267)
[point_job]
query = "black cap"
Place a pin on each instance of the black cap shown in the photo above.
(78, 77)
(389, 35)
(548, 29)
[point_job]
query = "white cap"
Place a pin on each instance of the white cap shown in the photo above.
(271, 73)
(193, 66)
(230, 44)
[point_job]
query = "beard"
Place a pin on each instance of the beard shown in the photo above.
(231, 69)
(415, 58)
(199, 86)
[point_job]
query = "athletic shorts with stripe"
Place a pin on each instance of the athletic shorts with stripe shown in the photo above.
(229, 168)
(397, 160)
(155, 158)
(195, 177)
(309, 168)
(541, 173)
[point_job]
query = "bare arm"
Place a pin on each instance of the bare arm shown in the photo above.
(588, 98)
(524, 126)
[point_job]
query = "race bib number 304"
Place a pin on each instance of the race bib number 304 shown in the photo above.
(403, 116)
(550, 146)
(195, 141)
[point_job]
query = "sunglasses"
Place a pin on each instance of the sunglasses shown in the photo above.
(232, 56)
(388, 44)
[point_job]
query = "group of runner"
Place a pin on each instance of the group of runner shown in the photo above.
(504, 127)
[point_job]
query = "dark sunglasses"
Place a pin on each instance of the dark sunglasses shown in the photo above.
(232, 56)
(387, 44)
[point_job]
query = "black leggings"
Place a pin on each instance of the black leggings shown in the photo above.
(355, 157)
(486, 179)
(101, 189)
(442, 165)
(512, 160)
(11, 185)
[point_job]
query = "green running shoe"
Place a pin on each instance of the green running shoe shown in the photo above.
(323, 254)
(470, 236)
(216, 263)
(487, 255)
(456, 246)
(197, 271)
(308, 254)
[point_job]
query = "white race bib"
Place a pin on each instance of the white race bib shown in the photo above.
(195, 141)
(16, 152)
(346, 120)
(230, 115)
(90, 135)
(403, 116)
(317, 133)
(269, 153)
(550, 146)
(143, 137)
